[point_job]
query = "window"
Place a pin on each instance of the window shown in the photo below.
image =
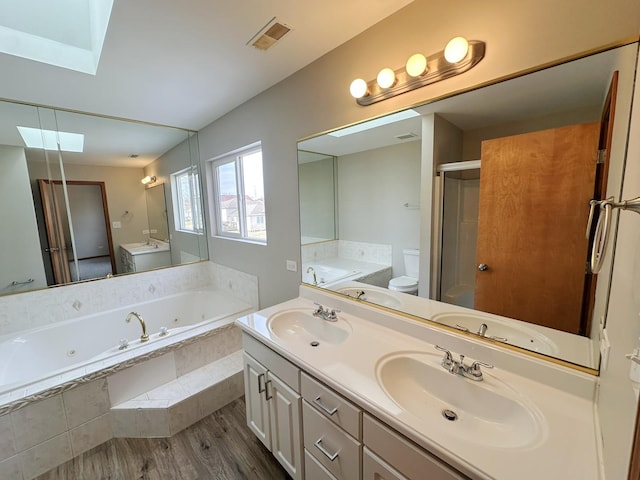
(238, 191)
(187, 201)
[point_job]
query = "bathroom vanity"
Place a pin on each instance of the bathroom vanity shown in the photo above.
(367, 396)
(138, 257)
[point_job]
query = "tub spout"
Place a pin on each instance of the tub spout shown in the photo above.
(144, 337)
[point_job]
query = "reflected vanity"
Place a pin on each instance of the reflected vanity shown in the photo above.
(426, 166)
(72, 192)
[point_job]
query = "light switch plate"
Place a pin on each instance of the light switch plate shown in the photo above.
(116, 224)
(292, 265)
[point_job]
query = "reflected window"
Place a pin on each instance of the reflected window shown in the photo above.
(238, 195)
(187, 201)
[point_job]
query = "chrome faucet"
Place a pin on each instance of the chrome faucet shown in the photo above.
(360, 294)
(144, 337)
(482, 329)
(311, 270)
(325, 313)
(472, 372)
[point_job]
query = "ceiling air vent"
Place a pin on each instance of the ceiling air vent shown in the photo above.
(406, 136)
(269, 35)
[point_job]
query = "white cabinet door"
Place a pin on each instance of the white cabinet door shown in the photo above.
(284, 409)
(255, 378)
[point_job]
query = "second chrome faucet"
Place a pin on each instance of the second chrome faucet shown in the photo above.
(457, 367)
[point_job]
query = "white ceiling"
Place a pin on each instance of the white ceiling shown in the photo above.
(186, 63)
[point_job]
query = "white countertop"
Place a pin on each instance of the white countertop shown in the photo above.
(142, 248)
(566, 443)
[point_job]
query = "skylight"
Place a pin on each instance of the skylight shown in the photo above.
(48, 139)
(64, 33)
(377, 122)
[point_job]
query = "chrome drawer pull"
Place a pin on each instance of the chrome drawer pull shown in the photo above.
(330, 456)
(325, 409)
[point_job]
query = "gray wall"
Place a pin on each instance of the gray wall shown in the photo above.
(317, 199)
(20, 254)
(373, 186)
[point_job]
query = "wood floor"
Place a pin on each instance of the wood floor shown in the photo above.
(219, 447)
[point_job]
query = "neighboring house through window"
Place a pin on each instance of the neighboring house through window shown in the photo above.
(238, 194)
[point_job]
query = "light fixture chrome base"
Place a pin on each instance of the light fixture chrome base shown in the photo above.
(439, 69)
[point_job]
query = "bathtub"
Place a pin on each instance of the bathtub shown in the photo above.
(45, 358)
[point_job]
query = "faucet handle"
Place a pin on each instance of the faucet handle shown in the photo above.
(448, 359)
(474, 370)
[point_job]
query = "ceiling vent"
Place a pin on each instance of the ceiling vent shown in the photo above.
(406, 136)
(269, 35)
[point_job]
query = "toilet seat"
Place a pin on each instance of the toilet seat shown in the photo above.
(404, 284)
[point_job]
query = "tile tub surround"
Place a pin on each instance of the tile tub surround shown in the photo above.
(46, 433)
(51, 305)
(359, 251)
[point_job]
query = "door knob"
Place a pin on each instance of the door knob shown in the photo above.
(483, 267)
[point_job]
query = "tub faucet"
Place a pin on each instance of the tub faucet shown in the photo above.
(311, 270)
(144, 337)
(482, 329)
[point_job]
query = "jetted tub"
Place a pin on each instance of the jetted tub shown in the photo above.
(41, 358)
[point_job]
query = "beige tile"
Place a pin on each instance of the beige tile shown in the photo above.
(91, 434)
(172, 391)
(86, 402)
(183, 414)
(7, 445)
(141, 378)
(38, 422)
(123, 423)
(153, 422)
(219, 395)
(11, 469)
(45, 456)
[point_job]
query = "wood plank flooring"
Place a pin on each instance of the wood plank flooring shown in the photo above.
(219, 447)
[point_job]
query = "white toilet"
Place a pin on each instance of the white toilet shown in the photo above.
(408, 283)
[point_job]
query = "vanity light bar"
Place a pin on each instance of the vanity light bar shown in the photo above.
(439, 66)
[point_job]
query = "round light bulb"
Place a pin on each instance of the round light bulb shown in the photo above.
(358, 88)
(386, 78)
(456, 49)
(416, 65)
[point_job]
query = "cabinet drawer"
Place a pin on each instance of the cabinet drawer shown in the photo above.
(374, 468)
(280, 366)
(410, 460)
(313, 470)
(336, 408)
(336, 450)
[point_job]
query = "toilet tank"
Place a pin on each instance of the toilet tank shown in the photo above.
(411, 262)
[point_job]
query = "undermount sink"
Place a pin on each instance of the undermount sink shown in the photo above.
(300, 326)
(376, 296)
(520, 336)
(488, 412)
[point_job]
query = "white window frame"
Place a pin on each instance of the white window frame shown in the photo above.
(196, 203)
(214, 197)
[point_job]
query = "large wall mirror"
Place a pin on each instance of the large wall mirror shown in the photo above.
(479, 201)
(74, 205)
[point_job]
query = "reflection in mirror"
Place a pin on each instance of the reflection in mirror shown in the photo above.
(428, 202)
(316, 178)
(72, 194)
(157, 213)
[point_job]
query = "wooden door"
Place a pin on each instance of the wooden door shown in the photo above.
(534, 195)
(57, 248)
